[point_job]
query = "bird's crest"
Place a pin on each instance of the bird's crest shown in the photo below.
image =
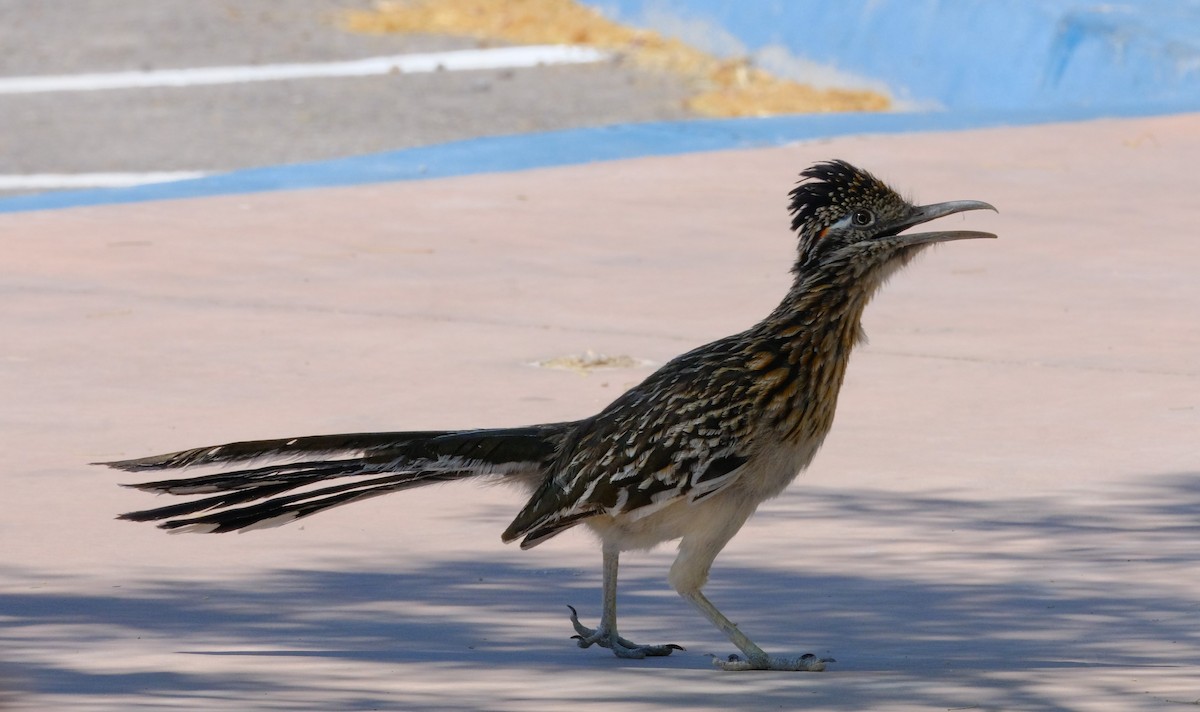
(830, 189)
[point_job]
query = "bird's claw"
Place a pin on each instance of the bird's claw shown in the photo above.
(622, 648)
(805, 663)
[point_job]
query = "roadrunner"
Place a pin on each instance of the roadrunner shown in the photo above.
(687, 454)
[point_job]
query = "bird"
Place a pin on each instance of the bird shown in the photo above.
(688, 454)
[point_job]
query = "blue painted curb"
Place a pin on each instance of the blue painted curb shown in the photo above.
(958, 54)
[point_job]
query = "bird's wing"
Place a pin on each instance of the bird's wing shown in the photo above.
(674, 436)
(692, 459)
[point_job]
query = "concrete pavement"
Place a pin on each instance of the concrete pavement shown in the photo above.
(1004, 517)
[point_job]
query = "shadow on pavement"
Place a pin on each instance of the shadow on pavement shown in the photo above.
(475, 615)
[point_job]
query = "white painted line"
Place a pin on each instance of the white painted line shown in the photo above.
(462, 60)
(52, 181)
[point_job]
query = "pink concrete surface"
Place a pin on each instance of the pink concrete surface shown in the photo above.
(1006, 515)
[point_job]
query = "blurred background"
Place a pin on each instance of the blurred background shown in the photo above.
(54, 137)
(87, 98)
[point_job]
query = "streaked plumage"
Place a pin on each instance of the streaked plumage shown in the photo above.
(687, 454)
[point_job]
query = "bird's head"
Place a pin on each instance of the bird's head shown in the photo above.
(844, 216)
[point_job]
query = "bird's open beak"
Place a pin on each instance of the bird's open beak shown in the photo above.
(925, 213)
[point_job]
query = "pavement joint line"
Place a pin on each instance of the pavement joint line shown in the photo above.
(456, 60)
(289, 307)
(49, 181)
(561, 328)
(1033, 363)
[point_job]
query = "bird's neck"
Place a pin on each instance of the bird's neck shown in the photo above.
(802, 349)
(823, 310)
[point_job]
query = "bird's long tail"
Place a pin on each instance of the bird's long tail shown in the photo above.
(293, 479)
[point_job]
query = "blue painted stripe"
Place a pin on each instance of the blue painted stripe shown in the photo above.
(555, 148)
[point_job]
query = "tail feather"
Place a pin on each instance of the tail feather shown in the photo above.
(281, 448)
(372, 463)
(281, 510)
(202, 505)
(292, 475)
(493, 445)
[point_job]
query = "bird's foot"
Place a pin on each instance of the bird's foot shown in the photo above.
(621, 648)
(805, 663)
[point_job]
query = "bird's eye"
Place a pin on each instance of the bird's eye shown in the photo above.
(862, 218)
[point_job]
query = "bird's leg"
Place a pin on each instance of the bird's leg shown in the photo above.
(688, 576)
(756, 659)
(605, 635)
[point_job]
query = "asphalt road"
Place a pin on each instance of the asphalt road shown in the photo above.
(229, 126)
